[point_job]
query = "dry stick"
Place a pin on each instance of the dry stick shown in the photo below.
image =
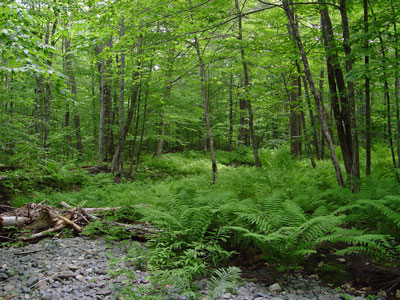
(69, 222)
(43, 233)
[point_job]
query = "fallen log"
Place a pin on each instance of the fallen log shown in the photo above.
(91, 210)
(13, 220)
(58, 226)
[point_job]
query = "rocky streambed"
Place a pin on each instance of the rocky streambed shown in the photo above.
(84, 268)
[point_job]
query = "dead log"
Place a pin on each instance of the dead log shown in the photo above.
(13, 220)
(44, 220)
(58, 226)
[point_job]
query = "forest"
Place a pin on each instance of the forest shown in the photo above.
(243, 132)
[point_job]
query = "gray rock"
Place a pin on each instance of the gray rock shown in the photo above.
(3, 276)
(32, 281)
(275, 288)
(8, 288)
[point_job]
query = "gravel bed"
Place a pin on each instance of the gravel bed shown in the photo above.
(83, 268)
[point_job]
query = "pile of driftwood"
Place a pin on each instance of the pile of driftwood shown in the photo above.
(39, 220)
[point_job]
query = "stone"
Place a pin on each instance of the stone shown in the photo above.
(32, 281)
(104, 292)
(275, 288)
(3, 276)
(261, 295)
(227, 296)
(8, 288)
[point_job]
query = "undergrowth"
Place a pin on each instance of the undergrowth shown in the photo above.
(287, 212)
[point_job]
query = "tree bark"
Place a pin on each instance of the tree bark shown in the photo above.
(355, 170)
(387, 97)
(367, 95)
(396, 80)
(117, 163)
(253, 137)
(135, 92)
(47, 97)
(101, 116)
(72, 82)
(146, 96)
(338, 92)
(312, 118)
(320, 109)
(205, 107)
(230, 145)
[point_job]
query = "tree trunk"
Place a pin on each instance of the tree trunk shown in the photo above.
(47, 97)
(66, 124)
(253, 137)
(367, 96)
(321, 94)
(338, 92)
(133, 145)
(230, 145)
(108, 87)
(71, 75)
(387, 97)
(101, 116)
(117, 163)
(206, 115)
(136, 85)
(396, 80)
(355, 170)
(320, 109)
(312, 118)
(146, 96)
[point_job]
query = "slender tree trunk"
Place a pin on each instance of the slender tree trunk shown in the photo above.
(396, 80)
(167, 95)
(160, 141)
(230, 146)
(133, 145)
(312, 118)
(367, 95)
(253, 137)
(108, 87)
(135, 92)
(72, 82)
(339, 98)
(320, 109)
(146, 96)
(117, 163)
(101, 117)
(321, 94)
(355, 170)
(47, 98)
(66, 124)
(205, 106)
(387, 97)
(94, 104)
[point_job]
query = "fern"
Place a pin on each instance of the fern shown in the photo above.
(223, 280)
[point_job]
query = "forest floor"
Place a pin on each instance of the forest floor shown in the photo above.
(83, 268)
(174, 193)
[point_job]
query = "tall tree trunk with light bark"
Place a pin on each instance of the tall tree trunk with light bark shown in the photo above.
(290, 15)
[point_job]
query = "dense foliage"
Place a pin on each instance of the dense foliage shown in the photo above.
(296, 103)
